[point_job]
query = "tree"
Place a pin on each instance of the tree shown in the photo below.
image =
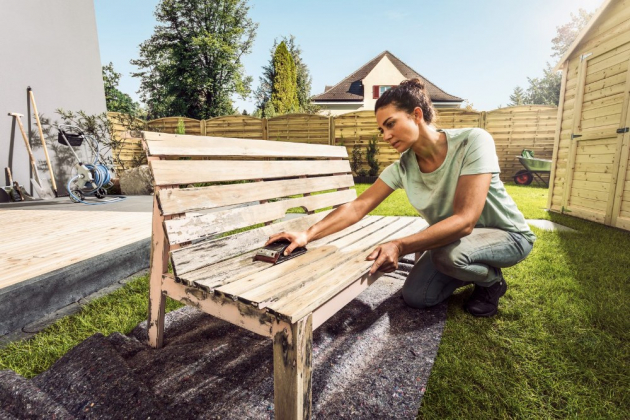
(303, 79)
(284, 89)
(546, 90)
(518, 97)
(191, 65)
(566, 34)
(115, 100)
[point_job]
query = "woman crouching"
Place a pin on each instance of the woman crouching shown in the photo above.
(451, 178)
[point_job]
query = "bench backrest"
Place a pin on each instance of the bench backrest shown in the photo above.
(206, 186)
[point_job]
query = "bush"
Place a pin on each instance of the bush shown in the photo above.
(181, 127)
(357, 157)
(370, 153)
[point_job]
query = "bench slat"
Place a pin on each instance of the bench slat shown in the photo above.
(164, 144)
(194, 257)
(177, 172)
(305, 300)
(173, 201)
(283, 278)
(191, 228)
(211, 277)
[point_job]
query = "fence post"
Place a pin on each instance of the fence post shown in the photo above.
(482, 120)
(331, 128)
(202, 127)
(265, 135)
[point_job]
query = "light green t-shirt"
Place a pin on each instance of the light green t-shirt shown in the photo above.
(470, 151)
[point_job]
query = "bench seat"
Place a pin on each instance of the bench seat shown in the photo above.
(300, 285)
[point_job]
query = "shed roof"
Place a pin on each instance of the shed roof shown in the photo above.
(583, 33)
(351, 88)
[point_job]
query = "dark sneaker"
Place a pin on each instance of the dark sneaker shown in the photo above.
(484, 301)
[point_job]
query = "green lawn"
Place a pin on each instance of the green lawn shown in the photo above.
(557, 349)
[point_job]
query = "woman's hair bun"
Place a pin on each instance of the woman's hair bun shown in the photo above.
(416, 83)
(408, 96)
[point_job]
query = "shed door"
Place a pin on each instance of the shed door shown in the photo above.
(601, 108)
(621, 206)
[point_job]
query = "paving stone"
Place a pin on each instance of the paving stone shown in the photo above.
(549, 225)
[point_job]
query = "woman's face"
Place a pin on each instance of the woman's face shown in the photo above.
(399, 128)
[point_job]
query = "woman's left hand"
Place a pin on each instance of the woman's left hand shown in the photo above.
(385, 258)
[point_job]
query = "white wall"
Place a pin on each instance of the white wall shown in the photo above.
(51, 46)
(384, 73)
(339, 109)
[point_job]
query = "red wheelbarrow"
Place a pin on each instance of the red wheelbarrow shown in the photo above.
(534, 167)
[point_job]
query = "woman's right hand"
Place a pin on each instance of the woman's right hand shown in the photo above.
(296, 238)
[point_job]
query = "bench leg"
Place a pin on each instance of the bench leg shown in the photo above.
(292, 368)
(159, 265)
(157, 303)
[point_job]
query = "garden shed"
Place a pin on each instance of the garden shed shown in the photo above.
(590, 175)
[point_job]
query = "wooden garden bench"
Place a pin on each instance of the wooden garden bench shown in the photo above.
(216, 273)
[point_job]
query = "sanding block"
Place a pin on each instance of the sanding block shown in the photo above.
(274, 253)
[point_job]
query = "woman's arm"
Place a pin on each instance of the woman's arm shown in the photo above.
(470, 198)
(339, 219)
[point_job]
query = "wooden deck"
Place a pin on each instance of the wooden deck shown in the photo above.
(35, 242)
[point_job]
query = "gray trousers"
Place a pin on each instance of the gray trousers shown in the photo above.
(476, 258)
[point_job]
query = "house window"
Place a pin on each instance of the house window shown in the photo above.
(378, 90)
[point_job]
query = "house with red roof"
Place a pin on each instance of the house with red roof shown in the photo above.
(362, 88)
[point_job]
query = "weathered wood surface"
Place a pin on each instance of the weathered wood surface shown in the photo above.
(196, 227)
(241, 273)
(292, 371)
(158, 266)
(180, 145)
(210, 252)
(237, 313)
(312, 295)
(211, 277)
(178, 172)
(280, 279)
(182, 200)
(302, 284)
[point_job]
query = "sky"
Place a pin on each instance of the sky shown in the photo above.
(477, 50)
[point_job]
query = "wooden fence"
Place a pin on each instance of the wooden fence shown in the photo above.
(514, 129)
(127, 131)
(518, 128)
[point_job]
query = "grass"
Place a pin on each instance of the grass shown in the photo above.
(557, 349)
